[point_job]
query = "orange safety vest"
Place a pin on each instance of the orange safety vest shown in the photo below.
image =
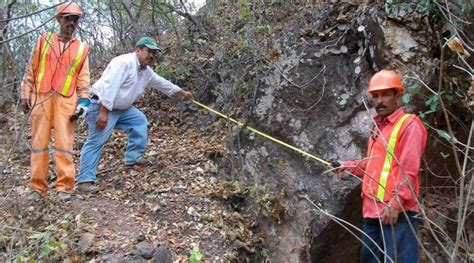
(59, 70)
(383, 168)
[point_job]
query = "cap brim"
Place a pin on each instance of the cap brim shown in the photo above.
(379, 88)
(372, 89)
(68, 14)
(152, 47)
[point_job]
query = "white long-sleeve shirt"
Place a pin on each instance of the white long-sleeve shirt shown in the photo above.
(123, 82)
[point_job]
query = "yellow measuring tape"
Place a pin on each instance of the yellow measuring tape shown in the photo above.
(261, 133)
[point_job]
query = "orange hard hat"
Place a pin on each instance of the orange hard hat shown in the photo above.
(386, 79)
(69, 8)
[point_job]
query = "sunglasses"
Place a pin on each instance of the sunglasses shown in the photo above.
(69, 18)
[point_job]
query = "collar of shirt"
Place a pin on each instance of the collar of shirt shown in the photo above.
(64, 45)
(139, 68)
(137, 63)
(392, 118)
(70, 40)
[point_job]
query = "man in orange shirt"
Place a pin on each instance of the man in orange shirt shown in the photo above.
(390, 173)
(56, 87)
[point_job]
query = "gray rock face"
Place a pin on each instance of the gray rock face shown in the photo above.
(400, 41)
(312, 97)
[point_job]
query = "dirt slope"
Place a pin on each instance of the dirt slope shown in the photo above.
(170, 204)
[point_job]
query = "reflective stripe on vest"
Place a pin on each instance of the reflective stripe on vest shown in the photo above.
(72, 70)
(387, 165)
(44, 51)
(58, 68)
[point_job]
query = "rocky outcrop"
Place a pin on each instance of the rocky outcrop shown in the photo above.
(312, 96)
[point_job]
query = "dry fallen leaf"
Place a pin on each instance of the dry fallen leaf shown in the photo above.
(456, 45)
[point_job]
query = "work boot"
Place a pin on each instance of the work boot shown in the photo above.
(33, 196)
(87, 188)
(142, 162)
(64, 196)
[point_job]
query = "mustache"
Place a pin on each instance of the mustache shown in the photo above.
(380, 106)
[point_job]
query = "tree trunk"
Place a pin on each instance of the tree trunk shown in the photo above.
(7, 67)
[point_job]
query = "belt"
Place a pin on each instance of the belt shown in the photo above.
(412, 216)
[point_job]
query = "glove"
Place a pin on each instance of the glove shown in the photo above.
(335, 163)
(338, 169)
(82, 107)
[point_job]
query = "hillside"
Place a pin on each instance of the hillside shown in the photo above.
(218, 192)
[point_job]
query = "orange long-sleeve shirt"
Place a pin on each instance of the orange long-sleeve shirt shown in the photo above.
(27, 86)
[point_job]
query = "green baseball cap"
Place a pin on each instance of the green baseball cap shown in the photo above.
(149, 43)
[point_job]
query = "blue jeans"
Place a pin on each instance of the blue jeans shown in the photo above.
(398, 242)
(131, 120)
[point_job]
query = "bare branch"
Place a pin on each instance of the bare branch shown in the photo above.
(30, 14)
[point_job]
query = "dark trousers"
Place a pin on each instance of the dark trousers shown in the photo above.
(398, 242)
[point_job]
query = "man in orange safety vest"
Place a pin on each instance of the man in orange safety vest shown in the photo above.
(390, 186)
(56, 87)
